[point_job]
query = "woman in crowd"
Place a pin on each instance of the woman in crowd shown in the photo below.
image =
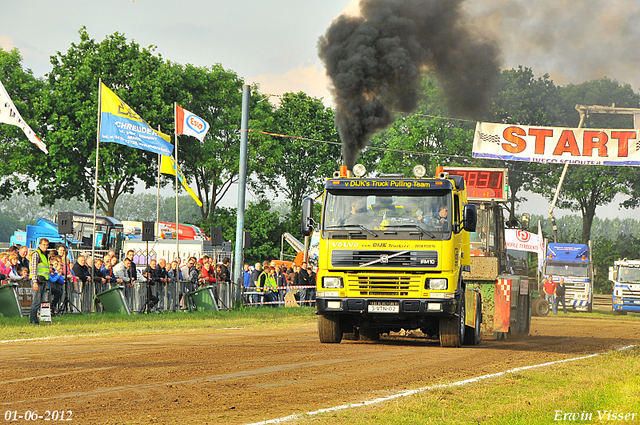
(5, 266)
(14, 270)
(208, 277)
(174, 271)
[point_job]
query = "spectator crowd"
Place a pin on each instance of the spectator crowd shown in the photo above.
(266, 283)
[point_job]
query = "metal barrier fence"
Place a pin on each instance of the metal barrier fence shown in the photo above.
(170, 296)
(286, 297)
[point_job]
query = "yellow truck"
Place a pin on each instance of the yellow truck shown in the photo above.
(392, 254)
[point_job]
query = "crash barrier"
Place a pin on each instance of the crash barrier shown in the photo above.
(9, 304)
(170, 295)
(286, 297)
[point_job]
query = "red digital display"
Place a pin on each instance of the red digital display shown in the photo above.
(482, 184)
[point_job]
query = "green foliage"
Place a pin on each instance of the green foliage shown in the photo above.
(17, 153)
(138, 76)
(294, 167)
(9, 224)
(422, 137)
(214, 94)
(587, 187)
(262, 221)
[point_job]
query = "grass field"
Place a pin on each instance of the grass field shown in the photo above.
(117, 324)
(601, 389)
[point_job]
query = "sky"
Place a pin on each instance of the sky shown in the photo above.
(274, 44)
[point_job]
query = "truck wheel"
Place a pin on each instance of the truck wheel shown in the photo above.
(329, 329)
(473, 336)
(590, 307)
(452, 328)
(540, 307)
(619, 313)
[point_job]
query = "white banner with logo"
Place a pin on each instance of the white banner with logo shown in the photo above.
(583, 146)
(521, 240)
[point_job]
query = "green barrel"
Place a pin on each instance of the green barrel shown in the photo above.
(204, 300)
(113, 300)
(9, 304)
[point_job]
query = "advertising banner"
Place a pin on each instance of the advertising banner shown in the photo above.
(521, 240)
(584, 146)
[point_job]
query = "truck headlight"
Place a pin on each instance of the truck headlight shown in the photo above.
(332, 282)
(437, 284)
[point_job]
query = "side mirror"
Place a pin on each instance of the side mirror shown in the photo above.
(612, 275)
(306, 225)
(525, 220)
(470, 218)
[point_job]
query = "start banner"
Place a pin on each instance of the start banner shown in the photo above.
(585, 146)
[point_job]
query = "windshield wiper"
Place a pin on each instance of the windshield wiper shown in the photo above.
(359, 226)
(413, 226)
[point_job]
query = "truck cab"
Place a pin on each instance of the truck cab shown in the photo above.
(625, 275)
(391, 254)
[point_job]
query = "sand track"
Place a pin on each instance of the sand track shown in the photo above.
(248, 375)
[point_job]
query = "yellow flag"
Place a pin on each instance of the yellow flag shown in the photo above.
(168, 166)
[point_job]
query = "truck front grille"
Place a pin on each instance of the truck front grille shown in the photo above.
(396, 285)
(384, 259)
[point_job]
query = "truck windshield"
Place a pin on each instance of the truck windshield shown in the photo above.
(567, 269)
(629, 275)
(368, 212)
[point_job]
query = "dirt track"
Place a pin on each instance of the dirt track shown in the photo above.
(247, 375)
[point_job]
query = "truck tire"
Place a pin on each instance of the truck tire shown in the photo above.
(452, 328)
(619, 313)
(539, 307)
(473, 336)
(590, 307)
(329, 329)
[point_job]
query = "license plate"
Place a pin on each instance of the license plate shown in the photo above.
(384, 307)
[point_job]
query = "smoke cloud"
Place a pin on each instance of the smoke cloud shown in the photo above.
(571, 40)
(374, 62)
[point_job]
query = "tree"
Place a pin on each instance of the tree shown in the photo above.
(296, 166)
(587, 187)
(215, 95)
(423, 137)
(519, 98)
(262, 222)
(139, 77)
(16, 151)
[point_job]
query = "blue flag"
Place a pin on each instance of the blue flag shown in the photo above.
(121, 124)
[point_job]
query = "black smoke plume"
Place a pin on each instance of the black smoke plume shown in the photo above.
(374, 61)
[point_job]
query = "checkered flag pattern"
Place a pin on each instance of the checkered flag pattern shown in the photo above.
(505, 287)
(491, 138)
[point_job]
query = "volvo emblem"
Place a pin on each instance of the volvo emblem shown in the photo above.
(384, 258)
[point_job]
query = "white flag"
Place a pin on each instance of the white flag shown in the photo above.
(540, 247)
(9, 115)
(190, 124)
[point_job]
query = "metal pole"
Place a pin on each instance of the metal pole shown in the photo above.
(242, 182)
(564, 173)
(95, 186)
(175, 133)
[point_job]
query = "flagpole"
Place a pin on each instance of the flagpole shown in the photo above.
(158, 194)
(175, 134)
(95, 186)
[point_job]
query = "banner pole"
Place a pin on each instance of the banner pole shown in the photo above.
(175, 134)
(95, 187)
(157, 232)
